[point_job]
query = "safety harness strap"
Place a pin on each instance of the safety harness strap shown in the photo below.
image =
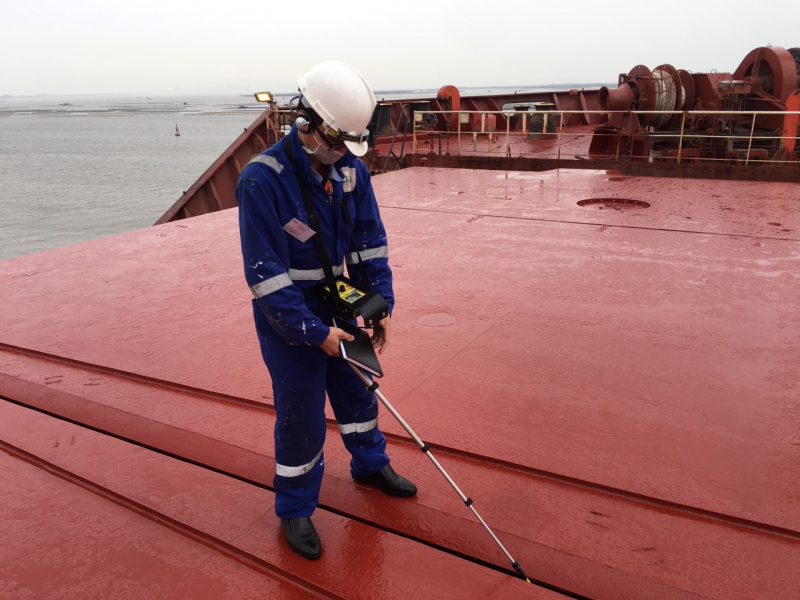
(361, 266)
(314, 222)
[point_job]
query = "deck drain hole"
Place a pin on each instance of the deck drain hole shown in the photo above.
(613, 203)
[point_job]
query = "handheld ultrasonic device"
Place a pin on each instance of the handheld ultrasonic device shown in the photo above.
(352, 301)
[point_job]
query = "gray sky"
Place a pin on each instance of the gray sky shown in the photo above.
(232, 46)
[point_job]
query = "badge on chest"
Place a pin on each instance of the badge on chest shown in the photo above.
(298, 230)
(349, 178)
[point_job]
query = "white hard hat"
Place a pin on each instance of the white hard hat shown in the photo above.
(341, 96)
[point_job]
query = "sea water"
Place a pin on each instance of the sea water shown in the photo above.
(78, 168)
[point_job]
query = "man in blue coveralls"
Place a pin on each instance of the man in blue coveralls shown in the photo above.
(282, 263)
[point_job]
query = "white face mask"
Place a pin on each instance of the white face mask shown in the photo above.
(323, 154)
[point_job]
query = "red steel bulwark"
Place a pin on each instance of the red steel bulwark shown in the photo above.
(614, 384)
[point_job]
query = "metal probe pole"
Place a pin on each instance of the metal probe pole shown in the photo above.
(373, 387)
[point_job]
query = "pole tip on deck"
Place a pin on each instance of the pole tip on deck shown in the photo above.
(519, 570)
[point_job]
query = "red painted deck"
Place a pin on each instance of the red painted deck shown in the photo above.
(618, 390)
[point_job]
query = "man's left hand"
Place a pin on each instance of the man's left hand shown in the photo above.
(381, 334)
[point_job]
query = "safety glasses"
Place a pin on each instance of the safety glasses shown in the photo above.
(342, 136)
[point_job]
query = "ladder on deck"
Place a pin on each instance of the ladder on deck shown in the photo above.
(405, 119)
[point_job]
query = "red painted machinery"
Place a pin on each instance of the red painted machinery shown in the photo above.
(640, 126)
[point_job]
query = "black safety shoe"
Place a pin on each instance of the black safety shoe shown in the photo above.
(389, 482)
(302, 537)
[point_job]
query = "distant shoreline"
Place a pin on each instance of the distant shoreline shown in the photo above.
(557, 86)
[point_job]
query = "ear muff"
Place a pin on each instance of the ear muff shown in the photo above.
(302, 122)
(306, 118)
(302, 119)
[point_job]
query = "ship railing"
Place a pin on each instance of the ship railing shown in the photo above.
(550, 126)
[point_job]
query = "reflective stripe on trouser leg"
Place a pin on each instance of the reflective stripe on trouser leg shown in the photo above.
(356, 410)
(298, 385)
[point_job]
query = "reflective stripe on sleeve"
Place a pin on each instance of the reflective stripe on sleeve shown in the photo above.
(369, 253)
(285, 471)
(270, 161)
(273, 284)
(358, 427)
(312, 274)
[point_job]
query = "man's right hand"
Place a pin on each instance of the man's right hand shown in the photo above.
(331, 344)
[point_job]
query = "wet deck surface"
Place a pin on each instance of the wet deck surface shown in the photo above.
(617, 387)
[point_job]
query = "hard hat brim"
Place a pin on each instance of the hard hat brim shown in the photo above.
(357, 148)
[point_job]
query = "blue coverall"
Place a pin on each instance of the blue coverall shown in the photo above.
(291, 325)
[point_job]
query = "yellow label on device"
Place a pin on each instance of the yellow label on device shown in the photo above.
(348, 293)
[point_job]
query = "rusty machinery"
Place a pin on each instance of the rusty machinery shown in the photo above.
(767, 80)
